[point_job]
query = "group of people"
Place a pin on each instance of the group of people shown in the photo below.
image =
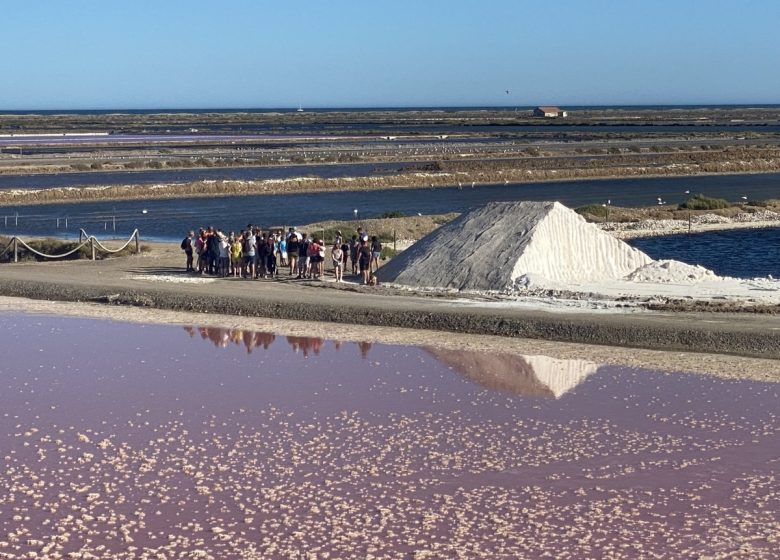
(257, 253)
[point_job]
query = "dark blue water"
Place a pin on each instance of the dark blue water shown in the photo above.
(747, 253)
(168, 218)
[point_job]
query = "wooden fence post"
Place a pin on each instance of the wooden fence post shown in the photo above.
(137, 245)
(92, 246)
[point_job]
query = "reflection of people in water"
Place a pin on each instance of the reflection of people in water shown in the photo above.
(306, 344)
(364, 348)
(222, 338)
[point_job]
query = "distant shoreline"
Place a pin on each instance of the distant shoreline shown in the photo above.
(399, 108)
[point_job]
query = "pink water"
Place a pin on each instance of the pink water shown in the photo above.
(122, 440)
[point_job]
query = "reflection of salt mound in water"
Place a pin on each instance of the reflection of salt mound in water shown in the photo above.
(532, 376)
(501, 244)
(671, 272)
(561, 376)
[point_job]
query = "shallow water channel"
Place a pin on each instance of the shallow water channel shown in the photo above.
(122, 439)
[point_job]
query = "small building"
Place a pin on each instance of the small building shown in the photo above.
(550, 112)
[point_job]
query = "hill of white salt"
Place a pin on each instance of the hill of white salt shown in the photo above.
(505, 244)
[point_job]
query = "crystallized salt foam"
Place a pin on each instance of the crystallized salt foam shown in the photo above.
(496, 246)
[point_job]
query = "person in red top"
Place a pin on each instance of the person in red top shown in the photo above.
(314, 259)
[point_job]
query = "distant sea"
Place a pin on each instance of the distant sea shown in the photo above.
(508, 108)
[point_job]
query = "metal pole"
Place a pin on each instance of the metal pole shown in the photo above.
(689, 223)
(16, 215)
(92, 246)
(16, 249)
(394, 239)
(137, 246)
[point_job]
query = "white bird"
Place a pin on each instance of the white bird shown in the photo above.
(687, 192)
(744, 198)
(419, 213)
(144, 211)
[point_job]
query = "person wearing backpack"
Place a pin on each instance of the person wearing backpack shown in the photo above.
(186, 246)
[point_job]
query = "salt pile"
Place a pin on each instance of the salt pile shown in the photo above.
(671, 272)
(503, 245)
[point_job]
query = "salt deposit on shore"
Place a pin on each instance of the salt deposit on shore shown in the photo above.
(699, 224)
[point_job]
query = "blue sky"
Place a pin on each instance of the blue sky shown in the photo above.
(349, 53)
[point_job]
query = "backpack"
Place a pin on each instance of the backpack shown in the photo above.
(185, 243)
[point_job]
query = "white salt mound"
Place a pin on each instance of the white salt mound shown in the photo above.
(503, 245)
(671, 272)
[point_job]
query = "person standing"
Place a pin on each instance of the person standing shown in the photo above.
(293, 248)
(235, 255)
(186, 246)
(376, 252)
(248, 252)
(303, 260)
(336, 255)
(224, 254)
(212, 250)
(364, 261)
(354, 248)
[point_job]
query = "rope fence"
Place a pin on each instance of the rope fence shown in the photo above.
(85, 239)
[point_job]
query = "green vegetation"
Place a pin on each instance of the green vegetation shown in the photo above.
(393, 214)
(387, 252)
(591, 211)
(701, 202)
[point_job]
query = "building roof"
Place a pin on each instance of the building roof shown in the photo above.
(549, 109)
